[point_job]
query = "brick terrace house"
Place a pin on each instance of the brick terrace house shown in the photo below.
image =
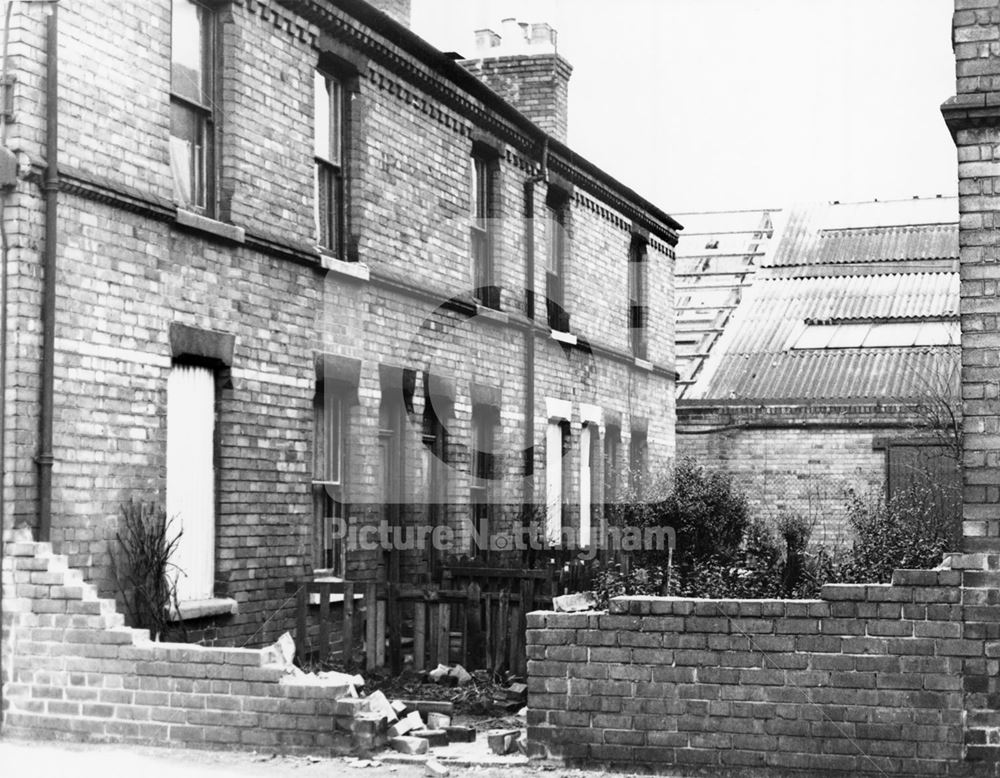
(837, 372)
(279, 263)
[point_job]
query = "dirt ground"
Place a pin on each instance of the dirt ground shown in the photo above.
(48, 759)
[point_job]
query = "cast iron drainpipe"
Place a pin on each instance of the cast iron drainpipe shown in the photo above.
(51, 187)
(529, 335)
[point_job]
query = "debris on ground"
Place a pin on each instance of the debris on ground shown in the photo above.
(438, 720)
(572, 603)
(435, 769)
(409, 745)
(435, 737)
(417, 710)
(379, 703)
(407, 723)
(503, 741)
(484, 693)
(354, 761)
(460, 734)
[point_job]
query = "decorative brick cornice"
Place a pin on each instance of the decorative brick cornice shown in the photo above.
(404, 54)
(281, 19)
(103, 191)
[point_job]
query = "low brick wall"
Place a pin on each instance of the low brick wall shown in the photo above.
(71, 669)
(871, 679)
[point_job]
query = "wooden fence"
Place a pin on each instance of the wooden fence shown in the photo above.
(476, 618)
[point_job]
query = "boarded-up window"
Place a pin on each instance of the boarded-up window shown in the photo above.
(191, 477)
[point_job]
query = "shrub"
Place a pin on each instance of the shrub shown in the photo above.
(709, 515)
(907, 530)
(141, 565)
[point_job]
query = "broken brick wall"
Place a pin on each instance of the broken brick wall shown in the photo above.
(71, 669)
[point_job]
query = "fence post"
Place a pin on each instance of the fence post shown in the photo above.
(501, 633)
(324, 622)
(393, 619)
(371, 626)
(419, 634)
(474, 647)
(444, 634)
(301, 604)
(347, 641)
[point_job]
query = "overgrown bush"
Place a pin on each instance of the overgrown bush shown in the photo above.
(141, 565)
(908, 530)
(709, 515)
(722, 553)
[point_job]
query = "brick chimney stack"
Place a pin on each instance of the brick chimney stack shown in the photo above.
(397, 9)
(523, 65)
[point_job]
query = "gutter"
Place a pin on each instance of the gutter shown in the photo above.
(403, 37)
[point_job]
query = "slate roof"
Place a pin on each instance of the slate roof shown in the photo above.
(874, 263)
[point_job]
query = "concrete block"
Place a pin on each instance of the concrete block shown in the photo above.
(409, 745)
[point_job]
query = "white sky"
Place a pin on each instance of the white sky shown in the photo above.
(716, 104)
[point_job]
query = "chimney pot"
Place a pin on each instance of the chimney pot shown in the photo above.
(513, 34)
(525, 68)
(542, 34)
(486, 39)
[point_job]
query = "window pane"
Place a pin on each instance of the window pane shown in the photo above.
(480, 190)
(187, 155)
(189, 51)
(327, 121)
(329, 204)
(481, 268)
(332, 433)
(555, 229)
(849, 335)
(321, 118)
(336, 121)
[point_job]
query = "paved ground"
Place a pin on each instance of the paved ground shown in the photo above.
(48, 759)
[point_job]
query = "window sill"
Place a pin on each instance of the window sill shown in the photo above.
(196, 221)
(198, 609)
(340, 267)
(643, 364)
(335, 597)
(492, 314)
(564, 337)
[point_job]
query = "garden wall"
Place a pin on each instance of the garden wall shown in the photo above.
(72, 669)
(893, 679)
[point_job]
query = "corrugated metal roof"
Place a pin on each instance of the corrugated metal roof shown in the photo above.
(780, 307)
(839, 263)
(865, 232)
(839, 374)
(754, 358)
